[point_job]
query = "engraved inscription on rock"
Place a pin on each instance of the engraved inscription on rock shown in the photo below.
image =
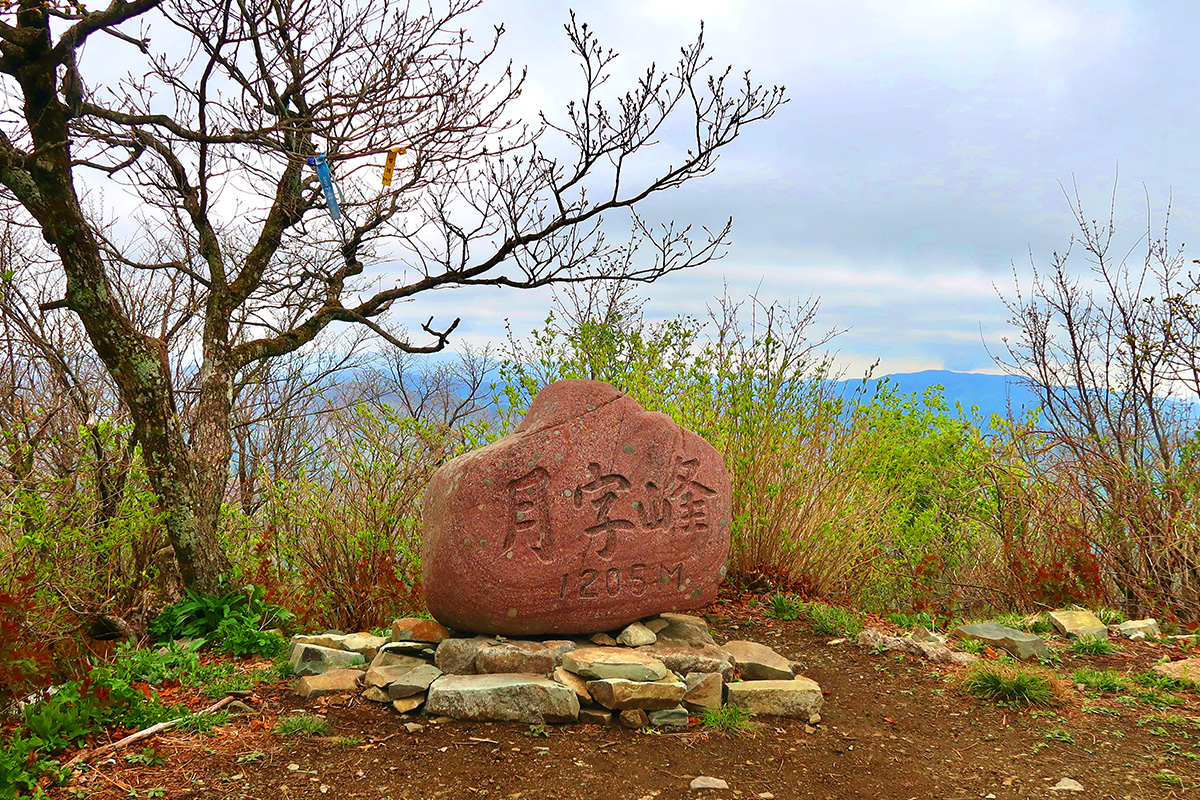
(593, 514)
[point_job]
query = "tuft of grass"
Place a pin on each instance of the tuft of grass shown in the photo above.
(1011, 685)
(203, 723)
(1031, 623)
(729, 719)
(1110, 616)
(972, 646)
(345, 741)
(1093, 646)
(784, 606)
(302, 725)
(901, 620)
(834, 621)
(1100, 680)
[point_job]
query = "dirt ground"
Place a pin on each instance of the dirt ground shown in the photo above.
(892, 727)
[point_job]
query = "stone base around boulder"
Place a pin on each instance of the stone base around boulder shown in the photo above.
(494, 679)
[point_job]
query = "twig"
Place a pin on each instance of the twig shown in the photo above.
(145, 733)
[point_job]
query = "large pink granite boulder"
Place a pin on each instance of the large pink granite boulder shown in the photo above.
(593, 514)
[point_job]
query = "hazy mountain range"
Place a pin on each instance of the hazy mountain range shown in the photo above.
(992, 394)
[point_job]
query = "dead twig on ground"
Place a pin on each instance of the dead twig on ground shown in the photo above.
(145, 733)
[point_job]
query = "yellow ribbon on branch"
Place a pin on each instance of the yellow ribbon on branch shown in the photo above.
(389, 166)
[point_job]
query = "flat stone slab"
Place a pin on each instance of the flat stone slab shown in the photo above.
(798, 698)
(705, 690)
(533, 699)
(1146, 627)
(539, 658)
(331, 640)
(682, 658)
(614, 662)
(333, 681)
(406, 705)
(757, 662)
(685, 628)
(594, 514)
(365, 644)
(457, 656)
(676, 717)
(1018, 643)
(619, 694)
(1187, 670)
(385, 676)
(1074, 623)
(413, 682)
(311, 659)
(574, 683)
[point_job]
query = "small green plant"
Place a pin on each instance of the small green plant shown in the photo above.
(251, 757)
(972, 646)
(1034, 623)
(1104, 710)
(346, 741)
(785, 607)
(1110, 616)
(1157, 698)
(1011, 685)
(1168, 779)
(729, 719)
(148, 757)
(1093, 646)
(901, 620)
(834, 620)
(1100, 680)
(1059, 735)
(537, 730)
(302, 725)
(156, 791)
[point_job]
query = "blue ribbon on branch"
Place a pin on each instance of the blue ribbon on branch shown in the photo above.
(327, 186)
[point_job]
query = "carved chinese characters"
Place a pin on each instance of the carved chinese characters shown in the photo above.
(595, 513)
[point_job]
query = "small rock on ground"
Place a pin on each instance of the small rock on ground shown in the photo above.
(705, 782)
(1067, 785)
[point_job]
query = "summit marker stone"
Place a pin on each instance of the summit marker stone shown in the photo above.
(594, 514)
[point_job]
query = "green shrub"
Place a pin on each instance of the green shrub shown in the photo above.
(200, 616)
(833, 620)
(237, 638)
(1109, 616)
(1011, 685)
(729, 719)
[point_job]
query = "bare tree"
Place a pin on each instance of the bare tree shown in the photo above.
(213, 135)
(1109, 351)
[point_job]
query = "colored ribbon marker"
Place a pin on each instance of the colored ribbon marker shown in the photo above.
(327, 188)
(389, 166)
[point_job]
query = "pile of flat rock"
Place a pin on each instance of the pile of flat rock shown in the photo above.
(652, 673)
(1072, 623)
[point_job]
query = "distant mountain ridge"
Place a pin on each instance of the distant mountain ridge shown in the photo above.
(992, 394)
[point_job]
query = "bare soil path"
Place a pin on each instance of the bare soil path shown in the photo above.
(892, 727)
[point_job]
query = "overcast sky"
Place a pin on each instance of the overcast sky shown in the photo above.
(919, 159)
